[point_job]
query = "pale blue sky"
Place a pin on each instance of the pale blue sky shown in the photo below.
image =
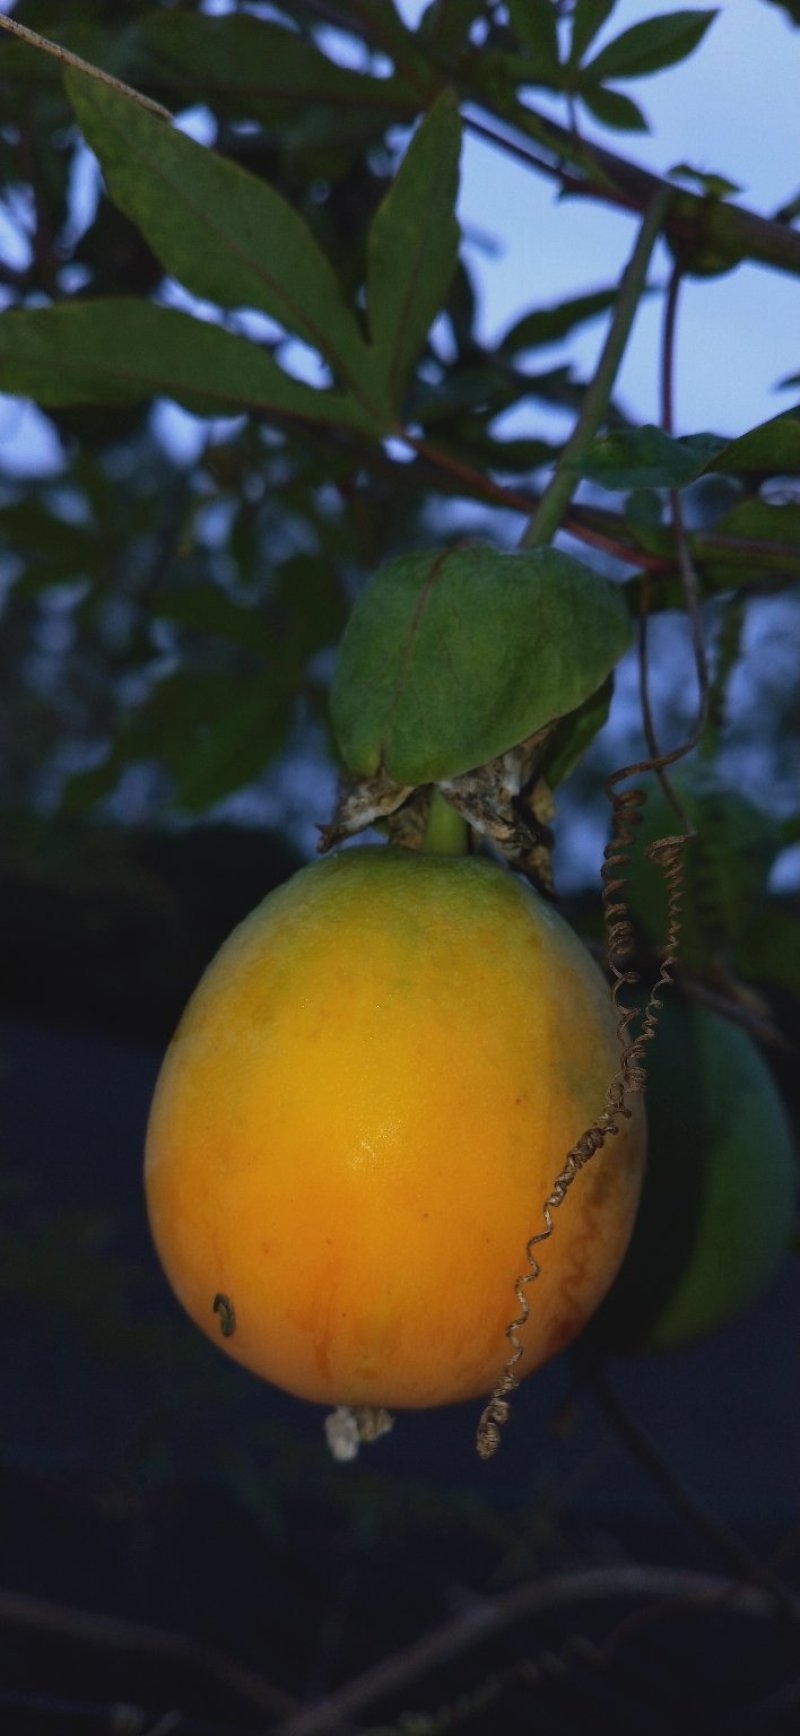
(734, 108)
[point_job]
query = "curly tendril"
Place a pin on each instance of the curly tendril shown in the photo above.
(629, 1080)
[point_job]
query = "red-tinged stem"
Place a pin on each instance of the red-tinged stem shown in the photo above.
(514, 499)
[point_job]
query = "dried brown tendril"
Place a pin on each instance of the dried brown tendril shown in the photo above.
(630, 1078)
(666, 854)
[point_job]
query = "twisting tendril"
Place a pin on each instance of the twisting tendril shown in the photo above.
(630, 1078)
(667, 855)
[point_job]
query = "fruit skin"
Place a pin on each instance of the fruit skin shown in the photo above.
(359, 1118)
(719, 1197)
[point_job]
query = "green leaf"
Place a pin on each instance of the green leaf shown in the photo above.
(214, 732)
(379, 23)
(588, 18)
(235, 744)
(757, 520)
(412, 250)
(772, 446)
(53, 550)
(250, 68)
(205, 608)
(790, 7)
(445, 25)
(769, 950)
(647, 458)
(548, 325)
(574, 733)
(534, 23)
(453, 657)
(462, 390)
(308, 607)
(613, 109)
(726, 866)
(715, 186)
(521, 455)
(644, 514)
(649, 46)
(23, 63)
(225, 234)
(120, 352)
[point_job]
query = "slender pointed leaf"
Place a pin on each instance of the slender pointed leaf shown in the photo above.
(445, 25)
(225, 234)
(451, 658)
(574, 733)
(716, 186)
(790, 7)
(206, 608)
(379, 23)
(23, 63)
(648, 458)
(252, 68)
(773, 446)
(213, 732)
(534, 24)
(613, 109)
(757, 520)
(644, 515)
(588, 18)
(121, 352)
(649, 46)
(413, 247)
(547, 325)
(240, 738)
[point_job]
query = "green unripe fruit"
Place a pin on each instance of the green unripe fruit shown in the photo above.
(719, 1199)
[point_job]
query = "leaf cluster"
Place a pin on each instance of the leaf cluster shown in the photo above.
(302, 290)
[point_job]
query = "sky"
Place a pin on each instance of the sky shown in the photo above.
(732, 108)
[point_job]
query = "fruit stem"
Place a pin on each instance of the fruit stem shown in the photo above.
(446, 834)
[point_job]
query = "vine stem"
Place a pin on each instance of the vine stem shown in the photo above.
(516, 501)
(550, 512)
(483, 1618)
(724, 1542)
(78, 64)
(687, 574)
(668, 332)
(38, 1615)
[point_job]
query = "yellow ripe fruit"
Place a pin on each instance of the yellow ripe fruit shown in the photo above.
(358, 1121)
